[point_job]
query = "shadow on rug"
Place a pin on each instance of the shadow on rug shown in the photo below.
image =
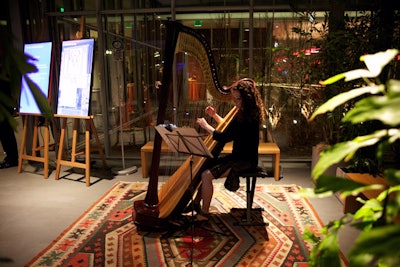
(106, 236)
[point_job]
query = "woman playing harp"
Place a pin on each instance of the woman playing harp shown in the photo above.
(162, 205)
(244, 132)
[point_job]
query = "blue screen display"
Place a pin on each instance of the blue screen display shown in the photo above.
(40, 54)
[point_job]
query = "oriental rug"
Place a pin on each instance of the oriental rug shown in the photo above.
(106, 236)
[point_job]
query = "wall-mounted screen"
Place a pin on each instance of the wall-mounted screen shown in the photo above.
(40, 54)
(75, 77)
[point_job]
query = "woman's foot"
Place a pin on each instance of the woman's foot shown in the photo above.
(202, 217)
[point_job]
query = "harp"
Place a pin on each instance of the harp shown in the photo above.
(160, 206)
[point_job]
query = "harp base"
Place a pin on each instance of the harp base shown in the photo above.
(145, 216)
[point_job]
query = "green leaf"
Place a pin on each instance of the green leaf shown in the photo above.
(329, 183)
(342, 98)
(327, 251)
(380, 108)
(344, 151)
(380, 243)
(40, 99)
(332, 183)
(310, 236)
(392, 175)
(333, 79)
(393, 88)
(370, 212)
(376, 62)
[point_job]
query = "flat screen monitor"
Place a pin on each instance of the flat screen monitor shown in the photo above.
(75, 78)
(40, 56)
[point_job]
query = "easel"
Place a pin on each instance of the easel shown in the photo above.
(35, 146)
(90, 128)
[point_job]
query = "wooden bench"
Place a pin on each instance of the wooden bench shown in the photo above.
(351, 204)
(263, 149)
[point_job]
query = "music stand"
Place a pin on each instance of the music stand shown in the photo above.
(184, 140)
(187, 141)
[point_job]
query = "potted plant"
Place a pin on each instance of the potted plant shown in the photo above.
(378, 219)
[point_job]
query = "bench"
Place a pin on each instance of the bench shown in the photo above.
(263, 149)
(351, 204)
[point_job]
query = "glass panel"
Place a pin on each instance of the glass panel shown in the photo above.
(212, 3)
(134, 74)
(228, 35)
(74, 5)
(284, 56)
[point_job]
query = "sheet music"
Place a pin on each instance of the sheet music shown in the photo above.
(184, 140)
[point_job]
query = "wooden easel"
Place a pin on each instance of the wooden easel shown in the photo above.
(90, 128)
(35, 146)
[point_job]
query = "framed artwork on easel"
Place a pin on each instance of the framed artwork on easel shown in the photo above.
(74, 88)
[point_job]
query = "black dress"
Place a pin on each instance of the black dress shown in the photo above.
(245, 137)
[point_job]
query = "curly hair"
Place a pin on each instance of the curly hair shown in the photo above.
(252, 105)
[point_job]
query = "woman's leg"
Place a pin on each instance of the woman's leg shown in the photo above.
(207, 191)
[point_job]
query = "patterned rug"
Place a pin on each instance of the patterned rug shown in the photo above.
(106, 236)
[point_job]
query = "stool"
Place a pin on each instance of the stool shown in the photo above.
(251, 179)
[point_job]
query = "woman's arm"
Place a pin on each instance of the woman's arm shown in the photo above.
(211, 111)
(204, 124)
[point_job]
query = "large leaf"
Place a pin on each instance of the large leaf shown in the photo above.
(327, 251)
(342, 98)
(344, 151)
(329, 183)
(40, 99)
(376, 62)
(381, 242)
(382, 108)
(15, 65)
(393, 88)
(392, 175)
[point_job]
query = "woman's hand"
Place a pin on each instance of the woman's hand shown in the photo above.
(204, 124)
(212, 112)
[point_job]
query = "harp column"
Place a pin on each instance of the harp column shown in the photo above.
(251, 39)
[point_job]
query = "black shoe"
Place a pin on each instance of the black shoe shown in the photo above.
(232, 183)
(8, 164)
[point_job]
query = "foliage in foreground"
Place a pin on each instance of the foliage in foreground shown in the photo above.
(14, 67)
(378, 219)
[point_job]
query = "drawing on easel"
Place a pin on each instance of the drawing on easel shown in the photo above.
(75, 77)
(40, 56)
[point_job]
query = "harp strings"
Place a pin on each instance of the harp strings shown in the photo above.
(176, 180)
